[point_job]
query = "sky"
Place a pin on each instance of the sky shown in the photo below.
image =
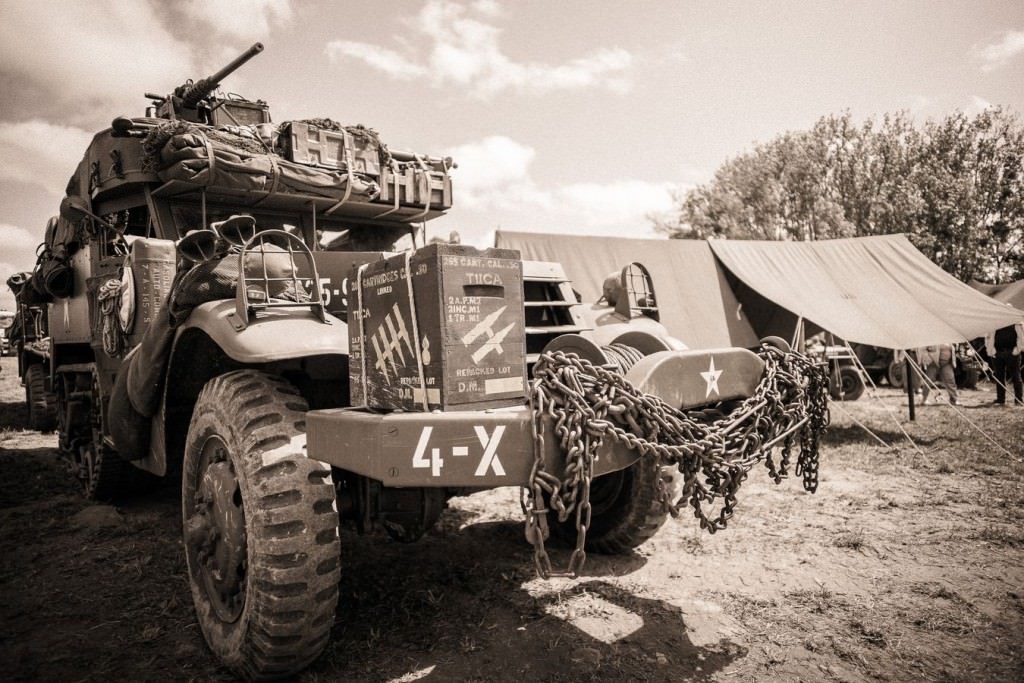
(570, 117)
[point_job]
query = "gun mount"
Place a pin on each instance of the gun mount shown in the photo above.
(192, 100)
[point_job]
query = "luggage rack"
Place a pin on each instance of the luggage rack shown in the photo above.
(354, 207)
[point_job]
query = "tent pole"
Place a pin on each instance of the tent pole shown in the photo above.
(798, 335)
(908, 371)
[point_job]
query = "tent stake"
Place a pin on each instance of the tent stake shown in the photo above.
(908, 372)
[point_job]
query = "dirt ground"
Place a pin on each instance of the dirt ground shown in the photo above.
(907, 564)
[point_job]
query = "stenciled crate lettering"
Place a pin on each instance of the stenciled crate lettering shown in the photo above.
(308, 144)
(468, 332)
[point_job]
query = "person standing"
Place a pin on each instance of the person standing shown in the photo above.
(938, 363)
(1004, 347)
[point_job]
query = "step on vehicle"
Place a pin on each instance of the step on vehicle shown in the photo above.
(250, 308)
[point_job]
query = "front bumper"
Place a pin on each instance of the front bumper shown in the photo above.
(489, 448)
(483, 448)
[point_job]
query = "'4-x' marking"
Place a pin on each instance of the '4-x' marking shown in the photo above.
(424, 456)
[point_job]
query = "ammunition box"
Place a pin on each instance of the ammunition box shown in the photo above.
(415, 186)
(456, 312)
(305, 143)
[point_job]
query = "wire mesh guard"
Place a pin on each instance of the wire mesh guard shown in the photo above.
(269, 277)
(639, 286)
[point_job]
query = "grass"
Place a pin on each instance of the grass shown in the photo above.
(850, 539)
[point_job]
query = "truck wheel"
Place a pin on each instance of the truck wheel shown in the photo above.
(897, 374)
(849, 386)
(42, 409)
(107, 477)
(625, 510)
(260, 524)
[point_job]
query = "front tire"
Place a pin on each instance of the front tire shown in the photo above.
(260, 523)
(626, 510)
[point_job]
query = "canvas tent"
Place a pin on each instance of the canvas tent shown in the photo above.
(697, 305)
(872, 290)
(1009, 293)
(876, 290)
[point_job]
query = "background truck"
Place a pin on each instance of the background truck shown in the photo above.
(27, 338)
(240, 305)
(6, 321)
(848, 365)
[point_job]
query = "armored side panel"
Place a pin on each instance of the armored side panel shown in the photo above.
(112, 164)
(69, 318)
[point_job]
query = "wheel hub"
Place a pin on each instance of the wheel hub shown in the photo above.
(216, 533)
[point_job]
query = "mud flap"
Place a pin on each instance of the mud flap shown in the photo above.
(129, 429)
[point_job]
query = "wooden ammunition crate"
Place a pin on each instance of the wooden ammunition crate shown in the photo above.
(464, 322)
(415, 186)
(305, 143)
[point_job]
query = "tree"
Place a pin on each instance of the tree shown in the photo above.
(954, 186)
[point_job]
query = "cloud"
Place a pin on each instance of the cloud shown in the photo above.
(19, 254)
(494, 173)
(380, 58)
(975, 105)
(6, 295)
(17, 239)
(41, 153)
(494, 177)
(492, 162)
(464, 49)
(996, 55)
(248, 19)
(615, 205)
(83, 60)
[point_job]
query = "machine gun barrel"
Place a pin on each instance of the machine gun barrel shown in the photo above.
(192, 93)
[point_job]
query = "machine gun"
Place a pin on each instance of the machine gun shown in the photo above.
(192, 100)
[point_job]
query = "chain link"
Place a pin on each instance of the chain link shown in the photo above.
(713, 448)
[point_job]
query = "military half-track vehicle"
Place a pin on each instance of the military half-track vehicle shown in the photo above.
(241, 305)
(27, 338)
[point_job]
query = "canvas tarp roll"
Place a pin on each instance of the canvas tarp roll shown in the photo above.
(877, 290)
(695, 301)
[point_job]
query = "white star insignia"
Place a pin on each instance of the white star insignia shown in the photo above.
(711, 377)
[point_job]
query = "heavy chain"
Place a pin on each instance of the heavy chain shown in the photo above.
(713, 449)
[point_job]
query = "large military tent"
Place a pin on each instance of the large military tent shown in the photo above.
(873, 290)
(1009, 293)
(697, 304)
